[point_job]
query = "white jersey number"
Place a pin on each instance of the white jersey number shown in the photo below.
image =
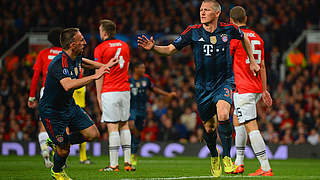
(121, 60)
(254, 51)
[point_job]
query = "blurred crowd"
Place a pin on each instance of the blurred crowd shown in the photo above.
(294, 117)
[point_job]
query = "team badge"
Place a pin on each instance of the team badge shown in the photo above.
(65, 71)
(213, 39)
(224, 37)
(137, 84)
(144, 83)
(59, 138)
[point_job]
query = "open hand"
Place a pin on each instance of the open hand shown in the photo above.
(146, 43)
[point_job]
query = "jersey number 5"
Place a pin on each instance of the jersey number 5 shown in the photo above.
(255, 51)
(121, 60)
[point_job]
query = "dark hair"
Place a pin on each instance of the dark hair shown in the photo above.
(67, 37)
(137, 64)
(238, 14)
(54, 36)
(109, 27)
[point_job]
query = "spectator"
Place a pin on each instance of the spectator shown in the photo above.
(313, 138)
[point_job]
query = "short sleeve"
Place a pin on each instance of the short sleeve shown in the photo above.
(58, 72)
(97, 54)
(236, 33)
(184, 39)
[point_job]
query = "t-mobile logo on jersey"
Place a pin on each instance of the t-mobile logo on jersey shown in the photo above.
(208, 49)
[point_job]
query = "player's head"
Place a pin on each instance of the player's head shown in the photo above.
(71, 38)
(107, 29)
(238, 15)
(54, 36)
(209, 11)
(139, 68)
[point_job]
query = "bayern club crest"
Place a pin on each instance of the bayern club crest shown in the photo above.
(59, 138)
(224, 37)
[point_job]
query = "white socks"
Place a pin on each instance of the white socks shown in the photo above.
(126, 144)
(42, 137)
(114, 145)
(259, 149)
(240, 142)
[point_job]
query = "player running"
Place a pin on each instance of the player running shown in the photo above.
(113, 94)
(139, 83)
(249, 89)
(214, 78)
(41, 65)
(57, 107)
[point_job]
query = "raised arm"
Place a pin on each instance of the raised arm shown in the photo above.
(254, 67)
(149, 44)
(90, 64)
(68, 83)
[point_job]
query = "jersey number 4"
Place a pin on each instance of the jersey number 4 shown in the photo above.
(255, 51)
(121, 60)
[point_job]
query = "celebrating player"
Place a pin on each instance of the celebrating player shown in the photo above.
(214, 78)
(139, 83)
(41, 65)
(249, 90)
(113, 94)
(57, 107)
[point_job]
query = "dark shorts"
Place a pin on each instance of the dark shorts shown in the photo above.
(138, 118)
(56, 125)
(207, 100)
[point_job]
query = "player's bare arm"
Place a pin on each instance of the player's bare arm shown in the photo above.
(164, 93)
(90, 64)
(32, 102)
(99, 83)
(254, 67)
(149, 44)
(266, 97)
(68, 83)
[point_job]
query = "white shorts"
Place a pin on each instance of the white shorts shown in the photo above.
(245, 106)
(115, 106)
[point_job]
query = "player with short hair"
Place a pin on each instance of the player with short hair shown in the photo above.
(43, 60)
(214, 79)
(113, 94)
(57, 107)
(249, 89)
(139, 84)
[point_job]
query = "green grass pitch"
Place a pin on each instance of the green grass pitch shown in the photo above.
(24, 167)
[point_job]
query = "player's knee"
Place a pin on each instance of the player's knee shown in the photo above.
(208, 129)
(223, 115)
(63, 152)
(92, 135)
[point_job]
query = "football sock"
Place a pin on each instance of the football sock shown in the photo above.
(83, 151)
(225, 133)
(135, 141)
(42, 137)
(125, 137)
(58, 162)
(240, 141)
(114, 146)
(259, 149)
(76, 138)
(211, 140)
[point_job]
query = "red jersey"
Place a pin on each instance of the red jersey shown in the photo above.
(43, 60)
(244, 79)
(117, 79)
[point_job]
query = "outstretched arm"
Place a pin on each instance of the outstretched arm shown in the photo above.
(90, 64)
(149, 44)
(164, 93)
(254, 67)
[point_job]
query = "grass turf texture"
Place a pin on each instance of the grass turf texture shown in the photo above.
(24, 167)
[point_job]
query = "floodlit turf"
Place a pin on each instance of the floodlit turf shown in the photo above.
(15, 167)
